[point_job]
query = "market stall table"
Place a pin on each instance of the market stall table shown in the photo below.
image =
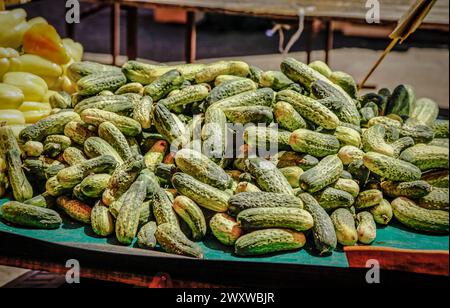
(325, 11)
(404, 256)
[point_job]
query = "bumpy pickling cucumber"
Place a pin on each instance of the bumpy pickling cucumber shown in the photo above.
(325, 173)
(30, 216)
(412, 190)
(325, 239)
(287, 117)
(172, 240)
(314, 143)
(278, 217)
(202, 168)
(192, 215)
(382, 213)
(366, 227)
(391, 168)
(268, 177)
(310, 109)
(225, 228)
(127, 126)
(427, 157)
(415, 217)
(204, 195)
(268, 241)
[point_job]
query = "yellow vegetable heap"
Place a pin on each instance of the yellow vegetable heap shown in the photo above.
(33, 63)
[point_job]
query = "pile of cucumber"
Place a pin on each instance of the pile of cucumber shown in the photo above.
(143, 153)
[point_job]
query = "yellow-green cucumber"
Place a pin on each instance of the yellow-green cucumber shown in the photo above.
(412, 190)
(391, 168)
(127, 222)
(287, 117)
(266, 241)
(96, 146)
(382, 213)
(415, 217)
(110, 133)
(314, 143)
(345, 227)
(101, 220)
(73, 175)
(276, 217)
(51, 125)
(93, 185)
(427, 157)
(192, 215)
(146, 236)
(126, 125)
(368, 198)
(268, 176)
(366, 227)
(437, 199)
(172, 240)
(331, 198)
(203, 194)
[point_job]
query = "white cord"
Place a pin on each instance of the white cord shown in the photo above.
(296, 36)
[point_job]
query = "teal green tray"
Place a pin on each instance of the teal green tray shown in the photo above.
(394, 236)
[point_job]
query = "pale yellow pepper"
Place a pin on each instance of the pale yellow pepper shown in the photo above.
(74, 49)
(34, 87)
(6, 55)
(35, 111)
(12, 117)
(36, 65)
(13, 26)
(11, 97)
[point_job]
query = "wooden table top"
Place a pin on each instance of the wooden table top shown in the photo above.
(391, 10)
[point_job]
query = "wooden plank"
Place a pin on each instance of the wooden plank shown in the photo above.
(390, 10)
(431, 262)
(191, 38)
(115, 31)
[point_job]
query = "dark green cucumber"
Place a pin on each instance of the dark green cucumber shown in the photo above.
(325, 239)
(418, 218)
(204, 195)
(391, 168)
(278, 217)
(332, 198)
(427, 157)
(268, 177)
(164, 84)
(325, 173)
(413, 190)
(269, 241)
(249, 200)
(314, 143)
(27, 215)
(437, 199)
